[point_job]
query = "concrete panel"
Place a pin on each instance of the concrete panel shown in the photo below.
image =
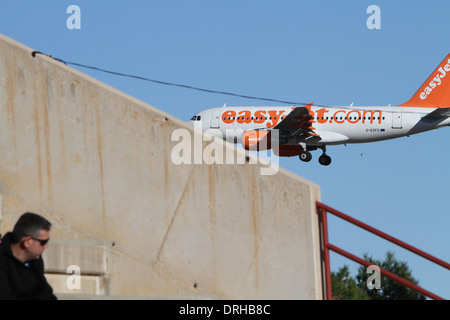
(86, 285)
(97, 163)
(90, 258)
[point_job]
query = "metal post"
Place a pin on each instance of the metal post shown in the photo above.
(326, 254)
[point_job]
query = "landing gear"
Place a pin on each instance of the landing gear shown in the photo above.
(305, 156)
(324, 159)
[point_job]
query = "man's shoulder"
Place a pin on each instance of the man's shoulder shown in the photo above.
(5, 248)
(3, 257)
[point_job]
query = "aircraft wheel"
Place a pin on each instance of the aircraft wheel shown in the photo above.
(324, 160)
(305, 156)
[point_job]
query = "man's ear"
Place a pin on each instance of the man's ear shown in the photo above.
(25, 242)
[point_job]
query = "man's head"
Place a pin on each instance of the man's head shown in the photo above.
(32, 232)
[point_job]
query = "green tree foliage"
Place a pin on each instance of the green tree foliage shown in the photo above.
(347, 288)
(390, 289)
(344, 287)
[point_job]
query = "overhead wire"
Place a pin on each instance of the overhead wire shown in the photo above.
(171, 83)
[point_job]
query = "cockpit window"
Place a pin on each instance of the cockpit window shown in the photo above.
(195, 118)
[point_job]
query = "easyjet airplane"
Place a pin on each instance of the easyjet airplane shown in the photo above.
(307, 128)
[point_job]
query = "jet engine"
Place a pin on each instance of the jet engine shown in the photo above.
(256, 140)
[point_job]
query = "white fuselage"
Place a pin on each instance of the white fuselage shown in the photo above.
(334, 125)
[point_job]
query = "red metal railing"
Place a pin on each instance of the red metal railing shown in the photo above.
(322, 211)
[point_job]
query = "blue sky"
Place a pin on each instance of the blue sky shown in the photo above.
(304, 51)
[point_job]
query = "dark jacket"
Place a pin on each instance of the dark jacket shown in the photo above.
(24, 281)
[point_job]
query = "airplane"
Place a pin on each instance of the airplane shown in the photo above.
(302, 129)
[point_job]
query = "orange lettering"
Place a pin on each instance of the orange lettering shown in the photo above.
(357, 117)
(244, 117)
(336, 119)
(372, 116)
(259, 116)
(275, 117)
(321, 115)
(228, 116)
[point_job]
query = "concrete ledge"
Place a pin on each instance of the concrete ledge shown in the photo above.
(75, 296)
(70, 284)
(90, 258)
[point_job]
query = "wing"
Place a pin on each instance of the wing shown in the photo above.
(299, 122)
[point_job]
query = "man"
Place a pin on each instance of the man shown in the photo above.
(21, 265)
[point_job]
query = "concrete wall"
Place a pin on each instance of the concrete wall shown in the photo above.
(97, 163)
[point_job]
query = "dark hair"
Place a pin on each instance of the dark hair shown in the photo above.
(29, 224)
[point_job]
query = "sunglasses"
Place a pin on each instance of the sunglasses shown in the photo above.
(43, 242)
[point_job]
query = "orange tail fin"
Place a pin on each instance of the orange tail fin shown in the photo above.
(435, 92)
